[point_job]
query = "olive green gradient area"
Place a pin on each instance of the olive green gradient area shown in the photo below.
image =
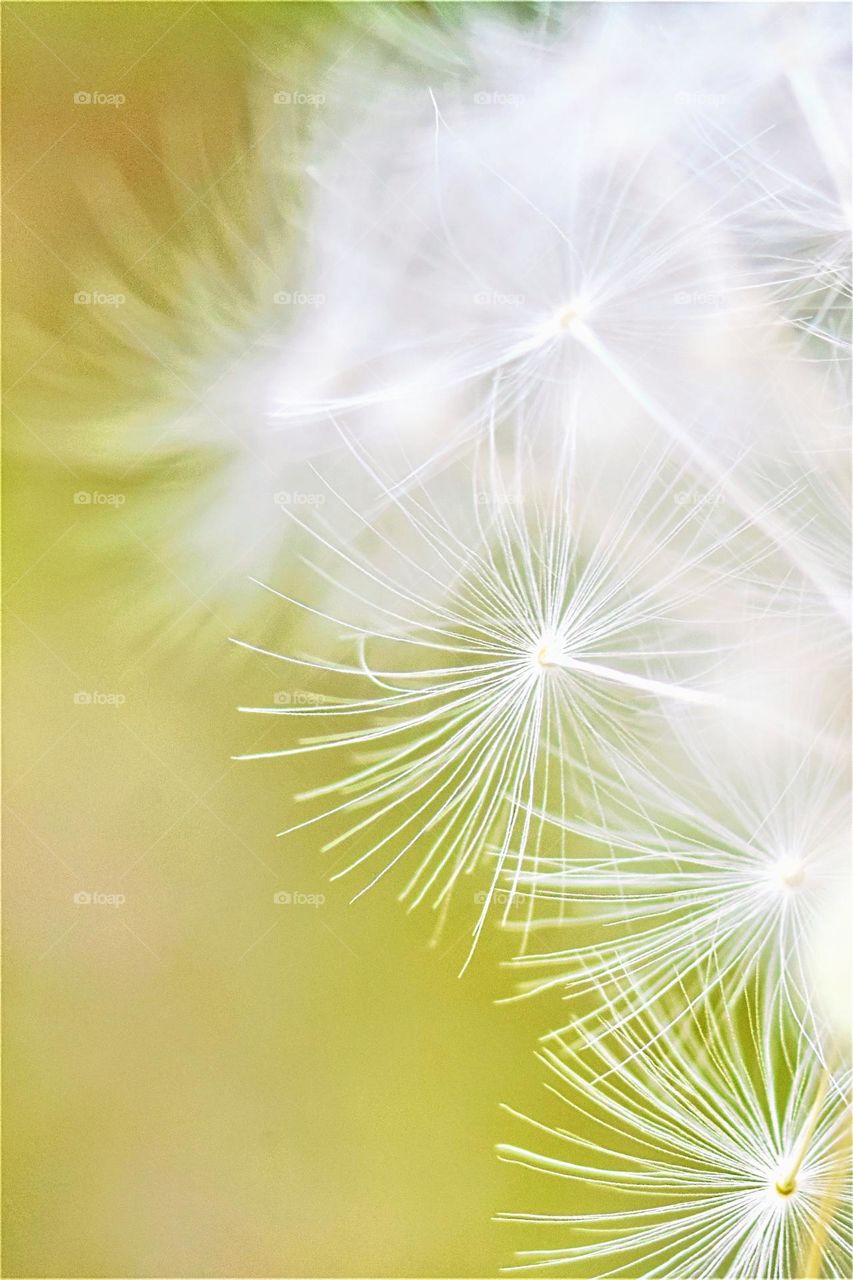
(215, 1064)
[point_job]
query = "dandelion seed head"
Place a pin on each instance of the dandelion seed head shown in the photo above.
(572, 315)
(783, 1185)
(789, 873)
(741, 881)
(548, 652)
(723, 1147)
(473, 618)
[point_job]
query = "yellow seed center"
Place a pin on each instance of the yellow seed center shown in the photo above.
(547, 654)
(790, 873)
(567, 317)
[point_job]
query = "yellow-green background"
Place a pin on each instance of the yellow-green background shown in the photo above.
(197, 1082)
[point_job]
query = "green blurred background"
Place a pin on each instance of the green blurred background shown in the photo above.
(198, 1081)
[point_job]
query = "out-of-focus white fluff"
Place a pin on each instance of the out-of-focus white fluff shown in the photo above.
(621, 196)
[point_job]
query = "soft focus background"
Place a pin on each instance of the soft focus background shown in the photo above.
(199, 1080)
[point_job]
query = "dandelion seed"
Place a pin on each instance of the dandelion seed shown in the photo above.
(731, 867)
(707, 1146)
(545, 649)
(613, 265)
